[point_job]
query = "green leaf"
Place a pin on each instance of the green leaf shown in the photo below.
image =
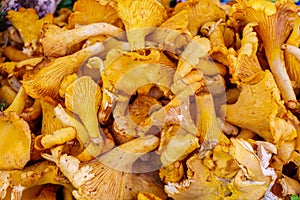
(66, 4)
(295, 197)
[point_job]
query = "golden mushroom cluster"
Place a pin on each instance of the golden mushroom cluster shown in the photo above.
(135, 99)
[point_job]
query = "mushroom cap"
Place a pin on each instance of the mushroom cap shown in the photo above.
(110, 176)
(273, 19)
(29, 25)
(202, 10)
(138, 17)
(94, 11)
(46, 82)
(15, 142)
(259, 108)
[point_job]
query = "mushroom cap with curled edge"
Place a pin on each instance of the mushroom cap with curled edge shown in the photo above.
(15, 144)
(202, 10)
(110, 176)
(94, 11)
(139, 17)
(46, 82)
(259, 108)
(29, 25)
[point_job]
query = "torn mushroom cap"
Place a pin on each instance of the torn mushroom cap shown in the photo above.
(57, 42)
(83, 97)
(274, 27)
(202, 10)
(94, 11)
(40, 173)
(200, 182)
(29, 25)
(260, 109)
(46, 82)
(109, 176)
(138, 17)
(15, 142)
(255, 173)
(246, 64)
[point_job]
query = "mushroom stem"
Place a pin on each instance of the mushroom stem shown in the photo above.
(62, 43)
(292, 49)
(277, 65)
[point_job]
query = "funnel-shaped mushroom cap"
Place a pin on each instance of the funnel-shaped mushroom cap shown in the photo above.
(46, 82)
(50, 122)
(137, 17)
(94, 11)
(259, 108)
(15, 144)
(202, 10)
(274, 26)
(29, 25)
(83, 97)
(111, 175)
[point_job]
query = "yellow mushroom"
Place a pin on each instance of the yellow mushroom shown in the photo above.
(111, 176)
(139, 17)
(83, 98)
(15, 143)
(27, 22)
(202, 10)
(57, 42)
(274, 27)
(38, 174)
(292, 53)
(172, 34)
(94, 11)
(46, 82)
(246, 64)
(259, 108)
(18, 103)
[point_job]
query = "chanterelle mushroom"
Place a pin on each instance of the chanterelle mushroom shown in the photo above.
(274, 26)
(37, 174)
(137, 16)
(27, 22)
(15, 142)
(259, 108)
(110, 176)
(83, 97)
(46, 82)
